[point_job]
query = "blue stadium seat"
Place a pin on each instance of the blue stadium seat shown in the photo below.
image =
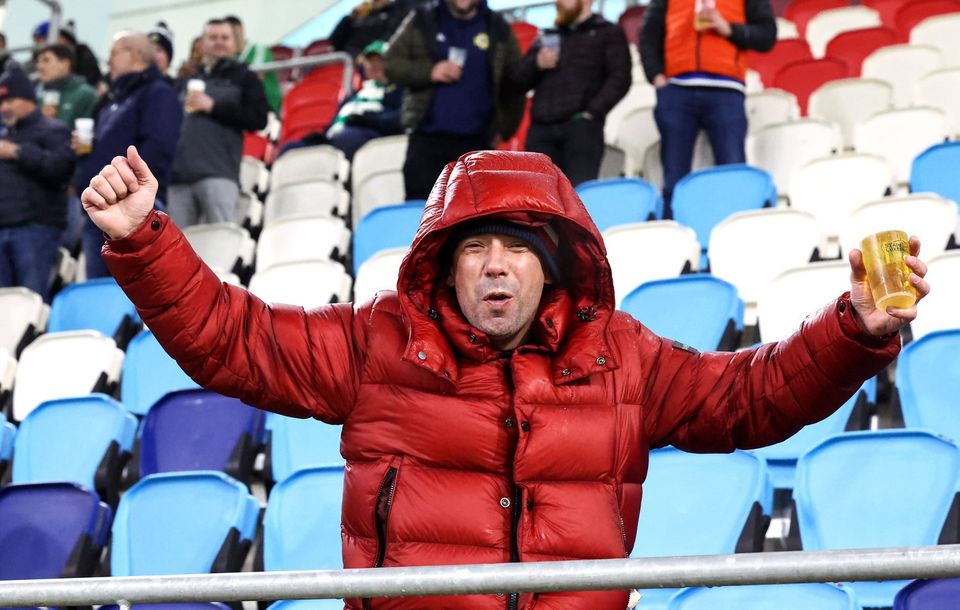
(200, 430)
(704, 312)
(301, 526)
(928, 383)
(617, 201)
(392, 226)
(183, 523)
(84, 440)
(782, 457)
(50, 530)
(704, 198)
(294, 444)
(307, 604)
(941, 594)
(149, 373)
(98, 305)
(8, 433)
(935, 171)
(178, 606)
(688, 508)
(884, 488)
(807, 596)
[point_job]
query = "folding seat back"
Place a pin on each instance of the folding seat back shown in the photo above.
(825, 25)
(302, 238)
(24, 317)
(379, 272)
(912, 13)
(378, 155)
(942, 32)
(885, 488)
(901, 65)
(223, 246)
(940, 594)
(200, 430)
(934, 171)
(803, 596)
(797, 293)
(183, 523)
(853, 46)
(804, 76)
(783, 148)
(770, 107)
(252, 174)
(887, 10)
(98, 304)
(308, 284)
(378, 189)
(900, 135)
(149, 373)
(782, 53)
(930, 217)
(849, 102)
(636, 132)
(928, 382)
(940, 310)
(319, 198)
(677, 251)
(295, 444)
(941, 89)
(800, 12)
(630, 21)
(705, 312)
(309, 164)
(8, 372)
(388, 227)
(616, 201)
(525, 33)
(50, 530)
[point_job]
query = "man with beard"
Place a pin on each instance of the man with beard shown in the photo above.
(578, 71)
(457, 59)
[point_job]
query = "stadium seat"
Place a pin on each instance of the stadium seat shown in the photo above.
(934, 171)
(379, 272)
(183, 523)
(786, 29)
(302, 238)
(850, 101)
(65, 365)
(99, 305)
(640, 95)
(928, 216)
(688, 508)
(149, 373)
(8, 372)
(616, 201)
(526, 34)
(613, 163)
(939, 594)
(250, 211)
(941, 89)
(50, 530)
(805, 596)
(256, 146)
(797, 293)
(377, 190)
(320, 47)
(912, 13)
(388, 227)
(309, 284)
(769, 107)
(786, 238)
(825, 25)
(783, 52)
(704, 198)
(902, 490)
(307, 604)
(804, 76)
(309, 164)
(301, 526)
(653, 167)
(705, 312)
(200, 430)
(636, 131)
(377, 155)
(253, 175)
(8, 433)
(296, 444)
(800, 12)
(942, 32)
(783, 148)
(887, 10)
(630, 22)
(24, 317)
(224, 246)
(676, 247)
(782, 457)
(854, 46)
(84, 440)
(928, 383)
(902, 66)
(900, 135)
(940, 310)
(305, 199)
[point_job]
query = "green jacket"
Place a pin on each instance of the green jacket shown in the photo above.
(77, 98)
(413, 51)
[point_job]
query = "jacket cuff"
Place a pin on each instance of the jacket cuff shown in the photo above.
(141, 237)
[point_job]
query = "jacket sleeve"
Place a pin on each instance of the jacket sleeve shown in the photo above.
(251, 113)
(84, 106)
(407, 63)
(341, 33)
(617, 66)
(759, 33)
(652, 35)
(274, 357)
(528, 74)
(718, 402)
(159, 128)
(49, 159)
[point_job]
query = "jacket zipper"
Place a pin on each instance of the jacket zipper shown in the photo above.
(514, 599)
(699, 35)
(623, 532)
(385, 498)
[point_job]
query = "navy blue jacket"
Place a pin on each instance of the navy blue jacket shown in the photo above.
(33, 187)
(140, 109)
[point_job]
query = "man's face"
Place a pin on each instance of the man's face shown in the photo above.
(50, 67)
(568, 11)
(463, 9)
(373, 68)
(499, 281)
(122, 60)
(160, 58)
(218, 42)
(12, 109)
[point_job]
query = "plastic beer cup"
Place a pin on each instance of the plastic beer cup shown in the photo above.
(84, 129)
(887, 272)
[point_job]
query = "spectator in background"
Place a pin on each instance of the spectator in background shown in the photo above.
(4, 56)
(206, 170)
(85, 62)
(250, 53)
(162, 39)
(190, 65)
(35, 167)
(369, 21)
(140, 109)
(457, 60)
(64, 95)
(696, 62)
(578, 72)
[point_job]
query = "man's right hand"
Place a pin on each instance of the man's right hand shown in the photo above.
(445, 72)
(659, 81)
(120, 198)
(547, 58)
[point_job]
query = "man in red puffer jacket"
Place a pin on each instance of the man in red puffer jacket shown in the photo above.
(495, 408)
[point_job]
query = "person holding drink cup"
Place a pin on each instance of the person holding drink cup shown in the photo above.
(66, 96)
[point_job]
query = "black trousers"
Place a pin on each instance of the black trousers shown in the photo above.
(575, 146)
(429, 153)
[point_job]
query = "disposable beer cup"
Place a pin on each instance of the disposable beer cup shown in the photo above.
(700, 22)
(84, 129)
(194, 84)
(550, 40)
(887, 271)
(457, 55)
(51, 99)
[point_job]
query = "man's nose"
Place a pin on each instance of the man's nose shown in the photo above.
(496, 260)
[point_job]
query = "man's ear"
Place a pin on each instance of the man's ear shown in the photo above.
(450, 281)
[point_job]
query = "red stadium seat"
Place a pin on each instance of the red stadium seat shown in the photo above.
(782, 53)
(803, 77)
(887, 9)
(305, 119)
(802, 11)
(281, 52)
(254, 145)
(519, 139)
(319, 47)
(630, 21)
(915, 11)
(526, 33)
(325, 88)
(853, 47)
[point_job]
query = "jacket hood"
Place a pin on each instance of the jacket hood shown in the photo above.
(525, 188)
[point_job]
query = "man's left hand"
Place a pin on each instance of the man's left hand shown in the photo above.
(8, 150)
(717, 22)
(874, 321)
(200, 101)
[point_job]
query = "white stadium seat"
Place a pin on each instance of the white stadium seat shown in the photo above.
(900, 135)
(849, 101)
(786, 29)
(926, 215)
(783, 148)
(379, 272)
(637, 132)
(641, 94)
(320, 198)
(941, 89)
(652, 170)
(942, 32)
(253, 175)
(827, 24)
(8, 372)
(23, 313)
(613, 163)
(309, 164)
(377, 155)
(770, 106)
(901, 65)
(377, 190)
(798, 293)
(308, 284)
(940, 310)
(302, 238)
(221, 245)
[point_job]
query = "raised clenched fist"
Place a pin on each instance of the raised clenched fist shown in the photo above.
(121, 196)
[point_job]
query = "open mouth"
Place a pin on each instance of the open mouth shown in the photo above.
(497, 297)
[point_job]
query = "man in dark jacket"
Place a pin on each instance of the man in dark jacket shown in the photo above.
(369, 21)
(457, 59)
(140, 109)
(206, 171)
(85, 62)
(35, 167)
(496, 407)
(578, 72)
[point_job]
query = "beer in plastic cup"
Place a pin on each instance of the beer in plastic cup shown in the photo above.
(550, 40)
(700, 22)
(51, 99)
(457, 55)
(84, 129)
(887, 272)
(194, 84)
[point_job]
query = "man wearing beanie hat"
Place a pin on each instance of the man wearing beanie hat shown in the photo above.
(36, 163)
(162, 39)
(495, 407)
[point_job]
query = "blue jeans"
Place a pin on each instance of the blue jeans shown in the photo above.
(28, 255)
(681, 113)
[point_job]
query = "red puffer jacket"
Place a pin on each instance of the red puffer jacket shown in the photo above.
(457, 453)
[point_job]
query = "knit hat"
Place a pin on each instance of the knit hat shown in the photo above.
(163, 36)
(42, 30)
(14, 83)
(543, 239)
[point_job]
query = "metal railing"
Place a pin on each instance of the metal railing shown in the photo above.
(56, 16)
(312, 61)
(599, 575)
